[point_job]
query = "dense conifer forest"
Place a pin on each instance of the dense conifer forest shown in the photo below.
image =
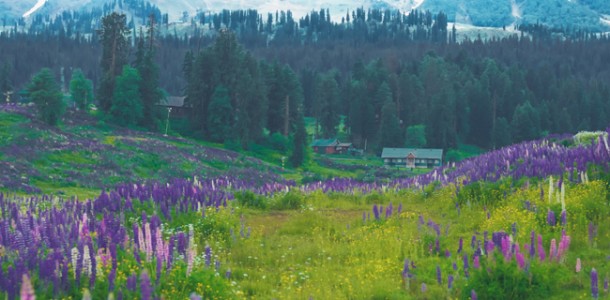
(267, 71)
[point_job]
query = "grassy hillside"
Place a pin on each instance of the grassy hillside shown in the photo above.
(83, 155)
(529, 221)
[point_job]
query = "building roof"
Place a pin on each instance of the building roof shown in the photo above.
(325, 143)
(173, 101)
(345, 145)
(419, 153)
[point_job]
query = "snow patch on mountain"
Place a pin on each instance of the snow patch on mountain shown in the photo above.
(37, 6)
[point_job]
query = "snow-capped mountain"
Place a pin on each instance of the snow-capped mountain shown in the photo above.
(590, 14)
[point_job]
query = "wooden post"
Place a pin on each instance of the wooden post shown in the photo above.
(287, 116)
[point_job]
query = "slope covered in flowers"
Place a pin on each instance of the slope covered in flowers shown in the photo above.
(528, 221)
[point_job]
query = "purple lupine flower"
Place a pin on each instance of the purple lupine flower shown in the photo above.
(389, 211)
(447, 253)
(533, 244)
(437, 246)
(473, 295)
(439, 278)
(541, 253)
(594, 284)
(208, 256)
(406, 272)
(194, 296)
(520, 260)
(376, 212)
(450, 281)
(159, 267)
(465, 261)
(606, 285)
(473, 242)
(550, 218)
(111, 279)
(424, 287)
(145, 287)
(455, 267)
(460, 246)
(132, 281)
(228, 274)
(564, 221)
(592, 232)
(553, 249)
(27, 291)
(475, 262)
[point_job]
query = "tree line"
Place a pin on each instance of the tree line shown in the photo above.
(434, 93)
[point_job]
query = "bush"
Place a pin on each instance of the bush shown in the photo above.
(250, 199)
(279, 142)
(290, 200)
(499, 279)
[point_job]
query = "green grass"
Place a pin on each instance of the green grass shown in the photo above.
(462, 152)
(325, 250)
(10, 127)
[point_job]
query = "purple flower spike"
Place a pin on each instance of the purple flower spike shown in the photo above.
(424, 287)
(376, 212)
(473, 295)
(439, 278)
(450, 281)
(541, 253)
(594, 284)
(145, 287)
(475, 263)
(520, 260)
(564, 221)
(460, 246)
(550, 218)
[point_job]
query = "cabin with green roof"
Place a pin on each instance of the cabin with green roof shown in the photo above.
(412, 157)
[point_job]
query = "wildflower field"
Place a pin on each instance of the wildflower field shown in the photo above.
(530, 221)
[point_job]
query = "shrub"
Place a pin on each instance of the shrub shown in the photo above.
(290, 200)
(250, 199)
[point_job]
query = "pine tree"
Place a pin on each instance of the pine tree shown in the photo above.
(220, 114)
(390, 132)
(299, 149)
(81, 89)
(44, 91)
(416, 136)
(114, 36)
(126, 109)
(327, 104)
(150, 92)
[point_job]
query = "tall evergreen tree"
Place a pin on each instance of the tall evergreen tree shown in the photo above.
(126, 109)
(220, 115)
(299, 147)
(416, 136)
(44, 91)
(326, 104)
(114, 36)
(5, 80)
(389, 129)
(150, 92)
(81, 89)
(525, 123)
